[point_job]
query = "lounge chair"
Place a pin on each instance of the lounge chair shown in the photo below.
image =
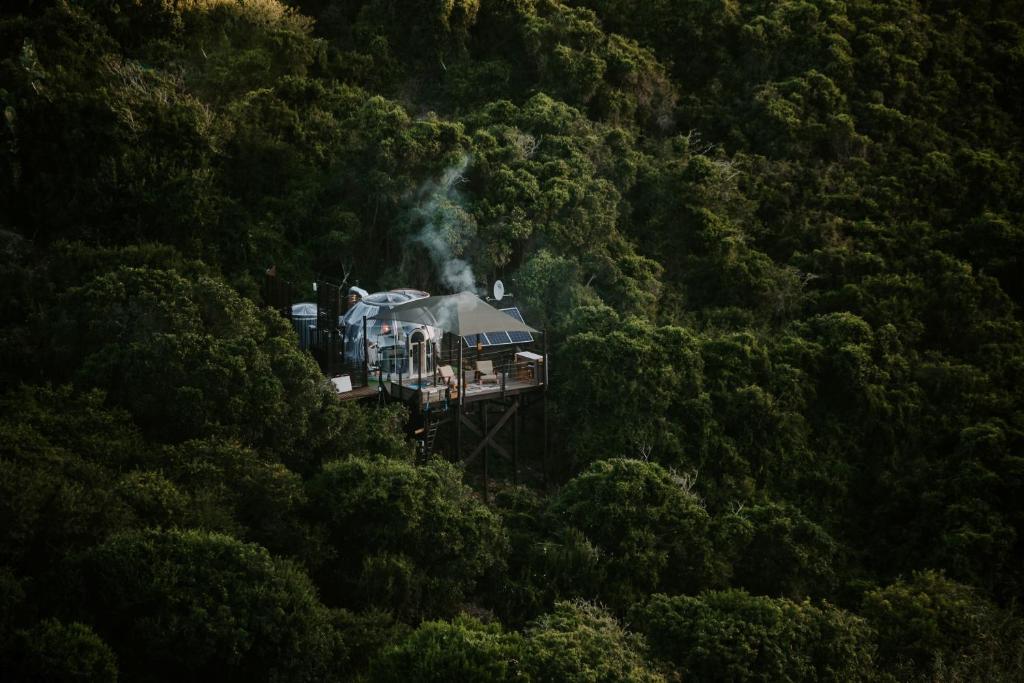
(485, 372)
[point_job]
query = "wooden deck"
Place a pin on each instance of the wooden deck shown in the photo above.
(359, 393)
(517, 374)
(481, 392)
(409, 392)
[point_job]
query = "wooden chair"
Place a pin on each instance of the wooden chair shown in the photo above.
(447, 375)
(485, 372)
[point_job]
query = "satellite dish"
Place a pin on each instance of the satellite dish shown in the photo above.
(499, 290)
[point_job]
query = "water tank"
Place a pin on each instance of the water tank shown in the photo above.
(304, 321)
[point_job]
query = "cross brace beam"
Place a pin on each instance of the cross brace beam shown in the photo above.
(489, 438)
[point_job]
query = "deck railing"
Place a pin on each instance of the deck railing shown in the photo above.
(513, 373)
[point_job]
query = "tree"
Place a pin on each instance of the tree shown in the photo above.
(60, 454)
(88, 139)
(188, 359)
(215, 608)
(241, 492)
(576, 642)
(649, 528)
(53, 651)
(463, 650)
(645, 382)
(439, 30)
(413, 539)
(580, 641)
(931, 626)
(733, 635)
(778, 552)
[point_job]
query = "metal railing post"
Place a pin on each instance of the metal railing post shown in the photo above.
(366, 356)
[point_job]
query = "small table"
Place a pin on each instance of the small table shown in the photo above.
(528, 365)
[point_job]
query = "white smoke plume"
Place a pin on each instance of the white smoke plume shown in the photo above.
(447, 315)
(447, 227)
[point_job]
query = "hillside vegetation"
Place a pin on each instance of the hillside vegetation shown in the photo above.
(778, 247)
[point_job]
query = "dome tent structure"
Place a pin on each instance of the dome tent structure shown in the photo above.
(389, 341)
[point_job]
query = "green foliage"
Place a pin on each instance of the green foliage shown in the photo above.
(60, 455)
(777, 245)
(931, 626)
(733, 635)
(409, 538)
(779, 552)
(642, 380)
(367, 634)
(232, 47)
(340, 429)
(419, 30)
(539, 567)
(52, 651)
(12, 599)
(612, 76)
(234, 609)
(544, 176)
(463, 650)
(91, 157)
(649, 529)
(579, 642)
(235, 490)
(188, 358)
(550, 288)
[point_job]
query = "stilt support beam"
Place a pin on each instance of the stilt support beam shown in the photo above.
(488, 439)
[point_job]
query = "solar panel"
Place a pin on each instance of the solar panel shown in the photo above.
(518, 337)
(501, 337)
(498, 338)
(470, 340)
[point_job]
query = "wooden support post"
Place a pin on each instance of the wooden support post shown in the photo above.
(486, 407)
(516, 425)
(544, 400)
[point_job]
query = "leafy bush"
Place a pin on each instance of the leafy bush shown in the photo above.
(52, 651)
(410, 538)
(649, 530)
(736, 636)
(932, 626)
(214, 608)
(580, 641)
(460, 650)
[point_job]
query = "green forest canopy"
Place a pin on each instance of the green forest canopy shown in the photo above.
(778, 248)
